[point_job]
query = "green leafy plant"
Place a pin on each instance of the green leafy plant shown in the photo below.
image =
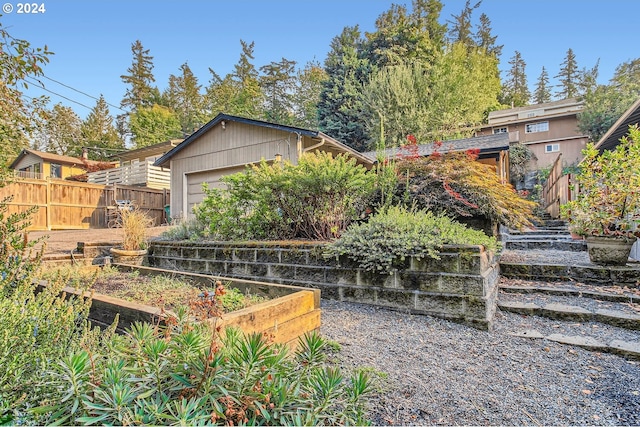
(608, 201)
(185, 375)
(315, 199)
(393, 234)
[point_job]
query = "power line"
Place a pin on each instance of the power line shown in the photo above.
(40, 85)
(83, 93)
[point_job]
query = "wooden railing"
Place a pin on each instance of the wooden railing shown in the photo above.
(137, 173)
(558, 189)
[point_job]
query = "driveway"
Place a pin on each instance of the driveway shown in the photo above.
(64, 241)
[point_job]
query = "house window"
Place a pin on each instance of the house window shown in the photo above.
(552, 148)
(499, 130)
(536, 127)
(56, 170)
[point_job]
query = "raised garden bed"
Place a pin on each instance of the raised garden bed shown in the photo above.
(286, 313)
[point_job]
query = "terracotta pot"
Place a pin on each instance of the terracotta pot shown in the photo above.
(609, 250)
(130, 257)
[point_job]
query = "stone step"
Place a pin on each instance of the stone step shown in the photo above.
(556, 244)
(628, 275)
(550, 233)
(573, 309)
(620, 295)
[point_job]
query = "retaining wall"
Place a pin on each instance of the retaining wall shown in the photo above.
(461, 286)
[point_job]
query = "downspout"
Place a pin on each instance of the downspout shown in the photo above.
(313, 147)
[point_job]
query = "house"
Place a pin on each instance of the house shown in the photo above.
(494, 151)
(227, 144)
(136, 167)
(40, 165)
(546, 129)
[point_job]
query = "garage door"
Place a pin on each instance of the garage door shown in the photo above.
(195, 194)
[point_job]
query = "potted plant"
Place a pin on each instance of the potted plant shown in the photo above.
(134, 224)
(607, 208)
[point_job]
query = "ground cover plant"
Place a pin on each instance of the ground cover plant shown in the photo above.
(392, 235)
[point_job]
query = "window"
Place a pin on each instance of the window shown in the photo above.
(499, 130)
(536, 127)
(56, 170)
(552, 148)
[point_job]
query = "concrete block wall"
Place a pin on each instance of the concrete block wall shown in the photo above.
(461, 285)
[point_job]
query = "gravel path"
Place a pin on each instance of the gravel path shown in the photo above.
(437, 372)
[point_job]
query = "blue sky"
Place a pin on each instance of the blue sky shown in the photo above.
(92, 38)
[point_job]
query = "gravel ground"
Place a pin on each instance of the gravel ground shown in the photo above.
(436, 372)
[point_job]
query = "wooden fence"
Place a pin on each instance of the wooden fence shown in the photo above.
(558, 190)
(76, 205)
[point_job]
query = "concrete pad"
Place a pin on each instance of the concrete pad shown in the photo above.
(577, 340)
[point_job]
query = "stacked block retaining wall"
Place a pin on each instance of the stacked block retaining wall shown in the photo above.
(461, 286)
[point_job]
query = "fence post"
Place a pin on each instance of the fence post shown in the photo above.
(48, 201)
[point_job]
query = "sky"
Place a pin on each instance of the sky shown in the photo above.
(92, 39)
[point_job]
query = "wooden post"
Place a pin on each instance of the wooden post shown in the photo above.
(48, 201)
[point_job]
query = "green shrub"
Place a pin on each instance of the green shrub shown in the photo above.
(393, 234)
(315, 199)
(187, 229)
(184, 376)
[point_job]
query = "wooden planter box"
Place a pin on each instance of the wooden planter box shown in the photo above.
(290, 312)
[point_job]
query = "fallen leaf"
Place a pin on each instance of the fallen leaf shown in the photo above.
(587, 380)
(595, 417)
(585, 391)
(635, 393)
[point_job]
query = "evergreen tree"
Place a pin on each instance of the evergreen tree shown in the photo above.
(152, 125)
(219, 94)
(99, 133)
(460, 31)
(431, 34)
(606, 103)
(568, 76)
(247, 99)
(184, 98)
(542, 93)
(60, 133)
(515, 91)
(140, 93)
(307, 95)
(340, 110)
(278, 83)
(588, 81)
(485, 38)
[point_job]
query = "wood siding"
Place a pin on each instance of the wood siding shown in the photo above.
(76, 205)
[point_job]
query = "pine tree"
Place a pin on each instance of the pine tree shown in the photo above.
(588, 79)
(515, 91)
(184, 98)
(153, 125)
(542, 93)
(460, 31)
(341, 110)
(140, 92)
(569, 77)
(485, 38)
(247, 99)
(278, 83)
(99, 133)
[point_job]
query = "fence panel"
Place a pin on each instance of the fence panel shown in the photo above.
(65, 204)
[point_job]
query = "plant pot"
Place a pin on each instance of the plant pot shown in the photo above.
(609, 250)
(575, 236)
(129, 257)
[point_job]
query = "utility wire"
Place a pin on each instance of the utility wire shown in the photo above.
(40, 85)
(83, 93)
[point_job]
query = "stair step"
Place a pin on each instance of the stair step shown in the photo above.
(560, 245)
(621, 295)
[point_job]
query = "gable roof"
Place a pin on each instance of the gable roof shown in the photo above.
(226, 117)
(620, 128)
(149, 150)
(485, 143)
(52, 158)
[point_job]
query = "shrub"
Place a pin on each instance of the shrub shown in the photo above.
(36, 326)
(393, 234)
(315, 199)
(457, 185)
(183, 376)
